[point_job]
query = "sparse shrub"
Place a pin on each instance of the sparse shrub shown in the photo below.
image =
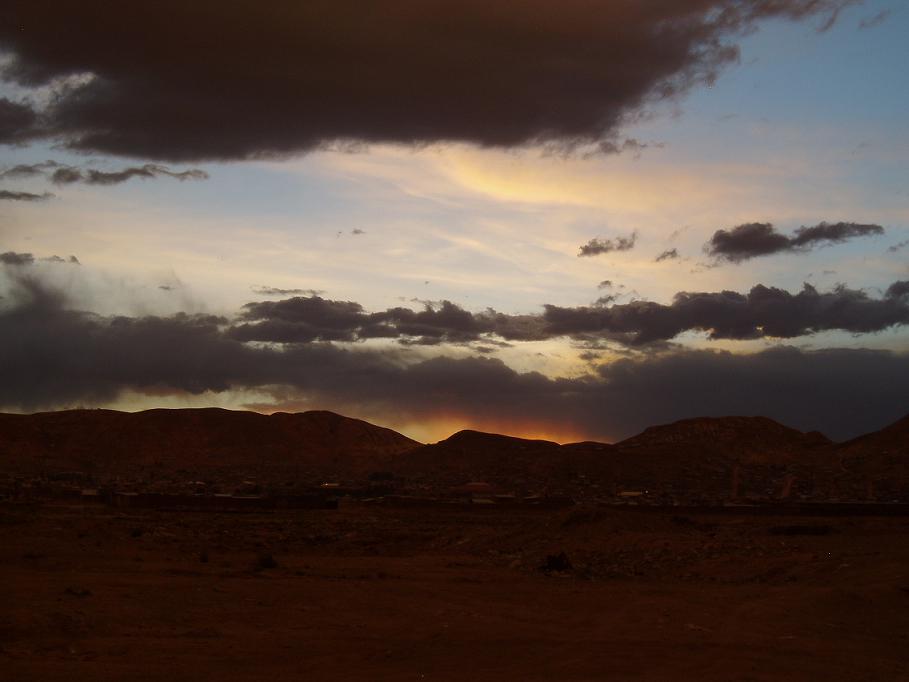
(801, 530)
(78, 592)
(264, 560)
(581, 516)
(556, 563)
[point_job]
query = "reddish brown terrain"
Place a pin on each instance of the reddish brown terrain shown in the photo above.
(711, 550)
(702, 461)
(195, 440)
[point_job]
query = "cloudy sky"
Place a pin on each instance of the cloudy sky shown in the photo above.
(567, 220)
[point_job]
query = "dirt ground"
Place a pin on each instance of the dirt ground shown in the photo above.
(91, 593)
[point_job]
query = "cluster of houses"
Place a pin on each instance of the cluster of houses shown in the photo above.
(248, 494)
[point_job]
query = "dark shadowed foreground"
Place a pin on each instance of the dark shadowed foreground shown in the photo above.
(373, 593)
(215, 545)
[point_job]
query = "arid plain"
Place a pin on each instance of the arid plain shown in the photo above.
(407, 576)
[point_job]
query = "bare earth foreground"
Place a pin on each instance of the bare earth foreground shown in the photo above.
(370, 593)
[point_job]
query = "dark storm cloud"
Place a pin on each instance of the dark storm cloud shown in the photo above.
(750, 240)
(898, 290)
(669, 254)
(54, 357)
(597, 246)
(839, 392)
(308, 319)
(69, 175)
(172, 80)
(7, 195)
(16, 121)
(762, 312)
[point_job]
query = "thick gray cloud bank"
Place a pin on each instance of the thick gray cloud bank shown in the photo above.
(17, 121)
(185, 81)
(51, 356)
(762, 312)
(751, 240)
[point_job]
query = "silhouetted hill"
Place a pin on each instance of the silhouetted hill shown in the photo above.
(724, 457)
(474, 455)
(893, 438)
(876, 464)
(745, 439)
(705, 458)
(736, 457)
(196, 439)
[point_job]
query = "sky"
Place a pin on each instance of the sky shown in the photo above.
(440, 215)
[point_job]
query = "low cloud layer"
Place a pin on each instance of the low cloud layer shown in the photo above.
(764, 312)
(597, 246)
(751, 240)
(17, 121)
(54, 357)
(177, 81)
(313, 318)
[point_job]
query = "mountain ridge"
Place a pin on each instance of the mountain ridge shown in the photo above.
(731, 457)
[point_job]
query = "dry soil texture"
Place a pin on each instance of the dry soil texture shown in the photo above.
(380, 594)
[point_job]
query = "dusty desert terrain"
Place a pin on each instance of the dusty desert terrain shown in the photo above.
(372, 593)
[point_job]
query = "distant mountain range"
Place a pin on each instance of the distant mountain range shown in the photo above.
(196, 440)
(724, 457)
